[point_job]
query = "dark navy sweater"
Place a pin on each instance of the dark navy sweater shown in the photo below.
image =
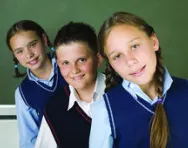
(36, 95)
(70, 128)
(132, 121)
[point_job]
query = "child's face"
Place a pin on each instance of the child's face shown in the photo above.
(78, 65)
(132, 54)
(29, 49)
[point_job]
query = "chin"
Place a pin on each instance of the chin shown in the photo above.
(143, 82)
(76, 86)
(80, 87)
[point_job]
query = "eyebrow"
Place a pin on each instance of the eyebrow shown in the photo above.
(32, 42)
(14, 50)
(20, 48)
(137, 38)
(132, 40)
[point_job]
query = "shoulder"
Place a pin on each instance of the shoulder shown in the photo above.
(17, 91)
(20, 103)
(115, 89)
(98, 108)
(25, 81)
(99, 102)
(179, 84)
(180, 81)
(17, 94)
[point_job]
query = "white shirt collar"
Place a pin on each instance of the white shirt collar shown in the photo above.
(134, 89)
(98, 91)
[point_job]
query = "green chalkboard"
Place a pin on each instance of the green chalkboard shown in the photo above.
(168, 17)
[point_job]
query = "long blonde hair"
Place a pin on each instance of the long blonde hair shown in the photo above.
(159, 124)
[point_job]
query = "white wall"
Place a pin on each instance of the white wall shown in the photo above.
(8, 128)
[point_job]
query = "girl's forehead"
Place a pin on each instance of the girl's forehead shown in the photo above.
(26, 33)
(22, 38)
(21, 35)
(124, 33)
(124, 29)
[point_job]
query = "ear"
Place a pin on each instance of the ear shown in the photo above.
(155, 42)
(99, 59)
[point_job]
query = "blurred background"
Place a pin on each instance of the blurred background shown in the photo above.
(168, 17)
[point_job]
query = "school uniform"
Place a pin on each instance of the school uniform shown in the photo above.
(122, 118)
(31, 97)
(67, 121)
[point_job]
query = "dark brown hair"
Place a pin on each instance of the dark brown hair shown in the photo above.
(77, 32)
(24, 25)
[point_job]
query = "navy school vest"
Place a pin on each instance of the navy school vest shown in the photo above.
(36, 94)
(71, 129)
(130, 122)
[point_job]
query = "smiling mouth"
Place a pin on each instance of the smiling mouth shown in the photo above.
(33, 62)
(77, 78)
(138, 72)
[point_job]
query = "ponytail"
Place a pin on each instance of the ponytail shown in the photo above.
(112, 79)
(159, 128)
(52, 50)
(17, 72)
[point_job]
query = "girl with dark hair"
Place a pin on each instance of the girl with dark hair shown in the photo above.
(148, 108)
(28, 43)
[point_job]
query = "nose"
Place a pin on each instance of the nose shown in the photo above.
(75, 69)
(131, 60)
(29, 53)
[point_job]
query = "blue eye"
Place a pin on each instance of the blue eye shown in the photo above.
(33, 45)
(19, 51)
(116, 57)
(135, 46)
(82, 59)
(65, 63)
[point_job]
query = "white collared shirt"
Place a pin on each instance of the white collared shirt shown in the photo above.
(98, 91)
(135, 90)
(45, 137)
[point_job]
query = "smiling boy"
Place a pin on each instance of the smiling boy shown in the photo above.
(69, 118)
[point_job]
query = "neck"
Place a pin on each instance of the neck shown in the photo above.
(86, 94)
(150, 89)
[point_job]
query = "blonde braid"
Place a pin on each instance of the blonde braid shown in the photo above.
(159, 128)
